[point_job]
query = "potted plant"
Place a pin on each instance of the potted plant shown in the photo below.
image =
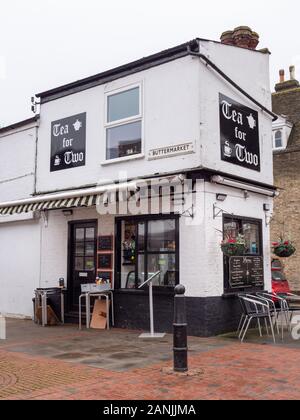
(232, 247)
(129, 251)
(283, 248)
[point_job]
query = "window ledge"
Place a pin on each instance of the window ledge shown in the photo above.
(123, 159)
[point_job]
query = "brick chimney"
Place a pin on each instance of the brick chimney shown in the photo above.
(242, 36)
(287, 84)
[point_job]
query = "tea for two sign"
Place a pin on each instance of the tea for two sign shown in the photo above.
(239, 134)
(68, 143)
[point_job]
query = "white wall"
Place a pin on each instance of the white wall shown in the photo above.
(170, 105)
(236, 204)
(250, 70)
(54, 242)
(19, 266)
(17, 163)
(180, 104)
(201, 259)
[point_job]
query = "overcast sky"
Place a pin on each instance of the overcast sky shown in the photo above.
(47, 43)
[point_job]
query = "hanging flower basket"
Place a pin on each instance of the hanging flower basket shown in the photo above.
(233, 247)
(283, 249)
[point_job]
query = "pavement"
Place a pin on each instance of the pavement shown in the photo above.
(63, 363)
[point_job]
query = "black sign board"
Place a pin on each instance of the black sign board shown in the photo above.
(105, 275)
(239, 134)
(105, 243)
(104, 261)
(68, 142)
(246, 272)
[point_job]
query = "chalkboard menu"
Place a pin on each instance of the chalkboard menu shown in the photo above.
(104, 261)
(105, 243)
(246, 272)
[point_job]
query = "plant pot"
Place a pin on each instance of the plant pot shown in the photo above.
(233, 249)
(284, 251)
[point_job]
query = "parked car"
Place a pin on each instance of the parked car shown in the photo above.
(280, 285)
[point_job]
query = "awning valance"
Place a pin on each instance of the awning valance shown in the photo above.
(86, 201)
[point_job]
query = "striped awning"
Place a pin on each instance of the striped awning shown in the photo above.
(86, 197)
(81, 201)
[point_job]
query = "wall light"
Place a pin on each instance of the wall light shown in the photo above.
(221, 197)
(68, 213)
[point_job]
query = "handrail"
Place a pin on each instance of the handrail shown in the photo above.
(150, 279)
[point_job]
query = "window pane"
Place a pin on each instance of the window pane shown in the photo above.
(124, 140)
(141, 237)
(79, 264)
(278, 139)
(79, 234)
(123, 105)
(89, 248)
(130, 280)
(89, 264)
(161, 235)
(231, 229)
(79, 248)
(166, 264)
(141, 269)
(251, 234)
(90, 233)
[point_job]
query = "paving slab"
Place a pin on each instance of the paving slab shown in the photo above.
(63, 363)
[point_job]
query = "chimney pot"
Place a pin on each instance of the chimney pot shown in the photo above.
(227, 38)
(281, 76)
(292, 73)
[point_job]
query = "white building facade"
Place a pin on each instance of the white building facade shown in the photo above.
(191, 124)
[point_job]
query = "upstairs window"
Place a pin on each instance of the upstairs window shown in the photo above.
(124, 124)
(278, 139)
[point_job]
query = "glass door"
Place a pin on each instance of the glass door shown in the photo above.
(83, 250)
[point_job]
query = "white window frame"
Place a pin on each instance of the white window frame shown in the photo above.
(123, 121)
(282, 147)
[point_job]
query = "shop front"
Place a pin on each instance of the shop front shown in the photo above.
(147, 168)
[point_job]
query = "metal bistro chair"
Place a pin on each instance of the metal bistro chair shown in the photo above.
(287, 297)
(254, 309)
(271, 306)
(244, 312)
(282, 310)
(268, 299)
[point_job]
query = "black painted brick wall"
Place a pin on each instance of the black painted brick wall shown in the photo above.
(205, 316)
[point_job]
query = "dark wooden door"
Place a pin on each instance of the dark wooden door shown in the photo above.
(82, 259)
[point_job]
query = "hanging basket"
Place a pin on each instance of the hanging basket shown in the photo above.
(284, 249)
(233, 249)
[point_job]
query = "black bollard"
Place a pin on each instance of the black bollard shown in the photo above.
(180, 331)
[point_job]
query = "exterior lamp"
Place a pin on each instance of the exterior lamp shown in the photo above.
(68, 213)
(221, 197)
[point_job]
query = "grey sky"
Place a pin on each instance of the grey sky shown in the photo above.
(46, 43)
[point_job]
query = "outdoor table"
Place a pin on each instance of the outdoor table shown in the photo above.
(108, 295)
